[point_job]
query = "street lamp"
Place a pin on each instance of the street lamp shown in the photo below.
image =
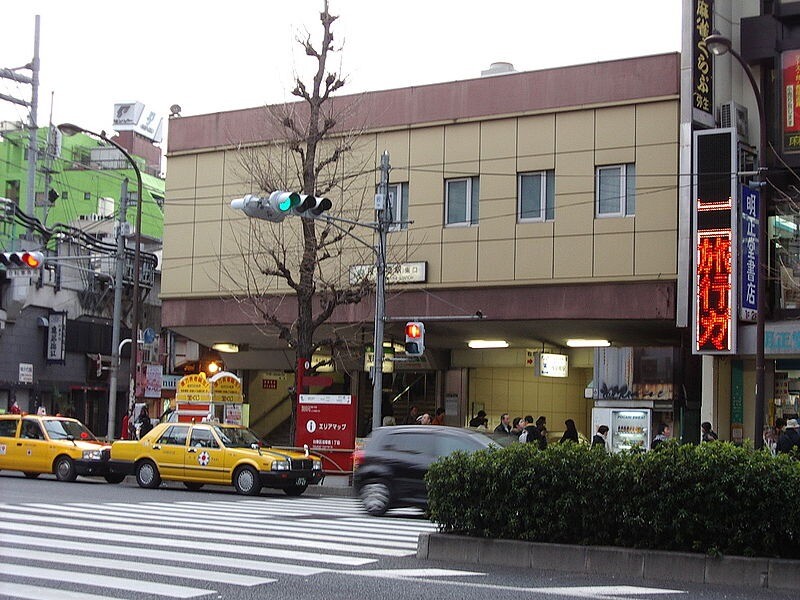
(719, 45)
(70, 129)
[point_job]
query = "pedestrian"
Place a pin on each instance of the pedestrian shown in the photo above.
(145, 425)
(790, 437)
(599, 439)
(504, 426)
(571, 434)
(541, 425)
(479, 419)
(14, 409)
(438, 419)
(389, 421)
(424, 419)
(533, 435)
(663, 433)
(387, 407)
(708, 434)
(124, 433)
(516, 429)
(411, 417)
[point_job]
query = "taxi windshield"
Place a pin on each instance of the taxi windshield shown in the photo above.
(235, 437)
(66, 430)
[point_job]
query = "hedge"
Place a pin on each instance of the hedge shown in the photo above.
(714, 498)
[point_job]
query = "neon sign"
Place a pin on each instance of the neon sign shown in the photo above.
(714, 287)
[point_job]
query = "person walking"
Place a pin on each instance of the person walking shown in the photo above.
(145, 424)
(504, 426)
(438, 418)
(708, 434)
(789, 438)
(599, 439)
(571, 434)
(662, 436)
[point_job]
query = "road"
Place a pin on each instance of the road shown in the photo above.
(91, 540)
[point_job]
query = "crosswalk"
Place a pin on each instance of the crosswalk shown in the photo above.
(165, 550)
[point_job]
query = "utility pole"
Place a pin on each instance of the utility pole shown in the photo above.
(383, 210)
(117, 317)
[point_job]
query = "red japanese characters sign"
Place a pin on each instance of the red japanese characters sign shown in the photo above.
(327, 422)
(790, 70)
(714, 292)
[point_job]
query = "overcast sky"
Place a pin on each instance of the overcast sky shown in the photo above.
(218, 56)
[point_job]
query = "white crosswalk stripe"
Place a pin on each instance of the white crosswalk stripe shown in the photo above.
(188, 549)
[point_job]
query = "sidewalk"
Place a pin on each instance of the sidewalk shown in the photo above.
(773, 573)
(332, 485)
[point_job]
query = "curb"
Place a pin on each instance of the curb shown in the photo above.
(773, 573)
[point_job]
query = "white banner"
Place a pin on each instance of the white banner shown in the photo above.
(56, 337)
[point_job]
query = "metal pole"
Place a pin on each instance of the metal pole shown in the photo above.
(136, 276)
(117, 318)
(380, 288)
(32, 142)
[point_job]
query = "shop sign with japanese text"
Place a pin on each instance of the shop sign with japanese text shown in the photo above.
(327, 422)
(748, 282)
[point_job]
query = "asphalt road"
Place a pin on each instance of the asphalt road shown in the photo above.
(90, 539)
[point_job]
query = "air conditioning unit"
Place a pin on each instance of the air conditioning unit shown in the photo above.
(732, 114)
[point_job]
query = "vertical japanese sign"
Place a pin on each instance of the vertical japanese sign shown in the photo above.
(714, 228)
(790, 72)
(56, 337)
(749, 265)
(702, 67)
(327, 422)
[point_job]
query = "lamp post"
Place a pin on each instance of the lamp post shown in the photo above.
(719, 45)
(70, 129)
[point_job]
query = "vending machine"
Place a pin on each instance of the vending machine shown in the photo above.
(628, 428)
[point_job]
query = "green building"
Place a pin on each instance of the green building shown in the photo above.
(78, 180)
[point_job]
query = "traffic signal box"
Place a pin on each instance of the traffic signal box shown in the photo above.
(280, 204)
(22, 260)
(415, 338)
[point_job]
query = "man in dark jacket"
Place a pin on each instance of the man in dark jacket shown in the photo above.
(790, 437)
(504, 426)
(534, 433)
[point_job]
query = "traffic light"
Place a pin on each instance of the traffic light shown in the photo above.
(22, 260)
(274, 208)
(415, 338)
(312, 207)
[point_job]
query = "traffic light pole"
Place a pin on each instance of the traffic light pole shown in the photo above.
(384, 220)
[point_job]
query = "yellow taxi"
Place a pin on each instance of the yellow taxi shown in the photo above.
(36, 444)
(213, 453)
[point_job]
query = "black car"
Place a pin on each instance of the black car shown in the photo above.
(391, 468)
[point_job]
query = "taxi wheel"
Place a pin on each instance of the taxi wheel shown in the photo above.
(246, 481)
(375, 497)
(115, 477)
(192, 485)
(295, 490)
(31, 475)
(147, 475)
(65, 469)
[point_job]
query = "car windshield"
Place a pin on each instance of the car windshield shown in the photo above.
(236, 437)
(65, 430)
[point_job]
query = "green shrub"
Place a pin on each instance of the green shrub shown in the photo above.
(714, 498)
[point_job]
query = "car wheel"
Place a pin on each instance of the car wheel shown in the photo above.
(31, 475)
(375, 498)
(192, 485)
(65, 469)
(115, 477)
(246, 481)
(147, 475)
(295, 490)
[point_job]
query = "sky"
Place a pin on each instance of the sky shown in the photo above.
(220, 56)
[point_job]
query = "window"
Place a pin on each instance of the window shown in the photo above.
(174, 435)
(31, 430)
(461, 201)
(87, 195)
(203, 438)
(616, 196)
(8, 427)
(447, 444)
(412, 443)
(536, 196)
(398, 196)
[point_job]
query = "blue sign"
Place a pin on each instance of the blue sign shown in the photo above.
(749, 261)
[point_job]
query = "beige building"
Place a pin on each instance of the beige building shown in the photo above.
(547, 200)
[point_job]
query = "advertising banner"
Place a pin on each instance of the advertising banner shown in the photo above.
(327, 422)
(790, 71)
(749, 264)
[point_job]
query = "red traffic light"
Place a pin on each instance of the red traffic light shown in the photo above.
(413, 330)
(32, 260)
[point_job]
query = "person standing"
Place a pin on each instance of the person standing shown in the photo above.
(411, 417)
(504, 426)
(599, 439)
(145, 424)
(789, 438)
(14, 409)
(516, 427)
(662, 436)
(708, 434)
(479, 419)
(571, 434)
(424, 419)
(541, 425)
(438, 418)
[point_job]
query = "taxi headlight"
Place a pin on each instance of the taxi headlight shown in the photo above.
(317, 465)
(92, 455)
(280, 465)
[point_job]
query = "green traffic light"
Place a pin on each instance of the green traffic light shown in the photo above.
(288, 202)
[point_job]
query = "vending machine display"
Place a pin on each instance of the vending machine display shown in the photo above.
(629, 428)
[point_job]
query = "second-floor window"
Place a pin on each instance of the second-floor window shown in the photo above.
(461, 201)
(615, 191)
(398, 195)
(536, 196)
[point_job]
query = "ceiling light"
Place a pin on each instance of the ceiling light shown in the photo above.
(588, 343)
(225, 347)
(488, 344)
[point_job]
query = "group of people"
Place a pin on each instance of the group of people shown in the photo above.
(784, 438)
(129, 431)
